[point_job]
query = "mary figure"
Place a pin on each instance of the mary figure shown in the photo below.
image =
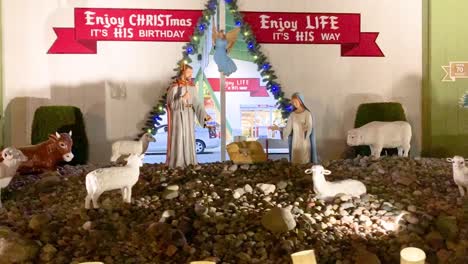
(300, 133)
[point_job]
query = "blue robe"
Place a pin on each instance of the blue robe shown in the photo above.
(313, 146)
(225, 64)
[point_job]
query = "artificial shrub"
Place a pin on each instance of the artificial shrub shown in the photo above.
(49, 119)
(387, 112)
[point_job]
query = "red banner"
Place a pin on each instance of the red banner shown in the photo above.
(314, 28)
(251, 85)
(107, 24)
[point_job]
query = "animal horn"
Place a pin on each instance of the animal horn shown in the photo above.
(70, 133)
(57, 134)
(449, 159)
(326, 172)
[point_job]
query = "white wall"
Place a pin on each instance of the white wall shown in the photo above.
(333, 86)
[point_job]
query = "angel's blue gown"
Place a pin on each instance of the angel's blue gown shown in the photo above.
(225, 64)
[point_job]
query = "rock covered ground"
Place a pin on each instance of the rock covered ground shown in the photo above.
(223, 212)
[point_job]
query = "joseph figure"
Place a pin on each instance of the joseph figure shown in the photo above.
(183, 107)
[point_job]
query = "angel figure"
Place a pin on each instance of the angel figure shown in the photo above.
(223, 45)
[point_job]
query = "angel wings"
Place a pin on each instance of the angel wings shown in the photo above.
(230, 37)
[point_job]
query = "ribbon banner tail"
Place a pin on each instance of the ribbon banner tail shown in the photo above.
(448, 77)
(367, 47)
(67, 44)
(260, 92)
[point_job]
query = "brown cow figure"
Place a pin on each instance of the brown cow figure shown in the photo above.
(46, 155)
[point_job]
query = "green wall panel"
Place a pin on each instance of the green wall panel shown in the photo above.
(446, 37)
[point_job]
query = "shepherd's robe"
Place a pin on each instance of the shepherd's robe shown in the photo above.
(181, 122)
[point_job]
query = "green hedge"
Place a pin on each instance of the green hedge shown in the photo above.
(49, 119)
(387, 112)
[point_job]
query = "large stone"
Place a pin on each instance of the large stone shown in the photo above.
(48, 252)
(171, 250)
(200, 209)
(233, 168)
(266, 188)
(177, 238)
(447, 226)
(38, 222)
(173, 187)
(246, 152)
(166, 234)
(411, 218)
(443, 256)
(168, 213)
(281, 185)
(364, 256)
(169, 195)
(435, 240)
(48, 183)
(245, 166)
(248, 188)
(238, 193)
(279, 220)
(404, 180)
(14, 249)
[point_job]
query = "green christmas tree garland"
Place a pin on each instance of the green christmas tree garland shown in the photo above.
(266, 71)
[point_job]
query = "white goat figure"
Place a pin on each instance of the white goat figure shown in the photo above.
(460, 173)
(113, 178)
(12, 159)
(127, 147)
(380, 135)
(326, 190)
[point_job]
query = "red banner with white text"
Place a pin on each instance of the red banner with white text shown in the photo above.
(109, 24)
(315, 28)
(251, 85)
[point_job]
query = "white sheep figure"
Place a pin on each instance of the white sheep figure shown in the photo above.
(325, 190)
(127, 147)
(460, 173)
(12, 159)
(378, 135)
(113, 178)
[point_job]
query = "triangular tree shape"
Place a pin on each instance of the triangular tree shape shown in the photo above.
(254, 48)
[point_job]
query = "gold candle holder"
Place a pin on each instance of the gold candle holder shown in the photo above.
(304, 257)
(412, 255)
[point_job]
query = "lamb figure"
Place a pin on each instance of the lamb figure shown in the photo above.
(379, 135)
(12, 159)
(113, 178)
(126, 147)
(326, 190)
(460, 173)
